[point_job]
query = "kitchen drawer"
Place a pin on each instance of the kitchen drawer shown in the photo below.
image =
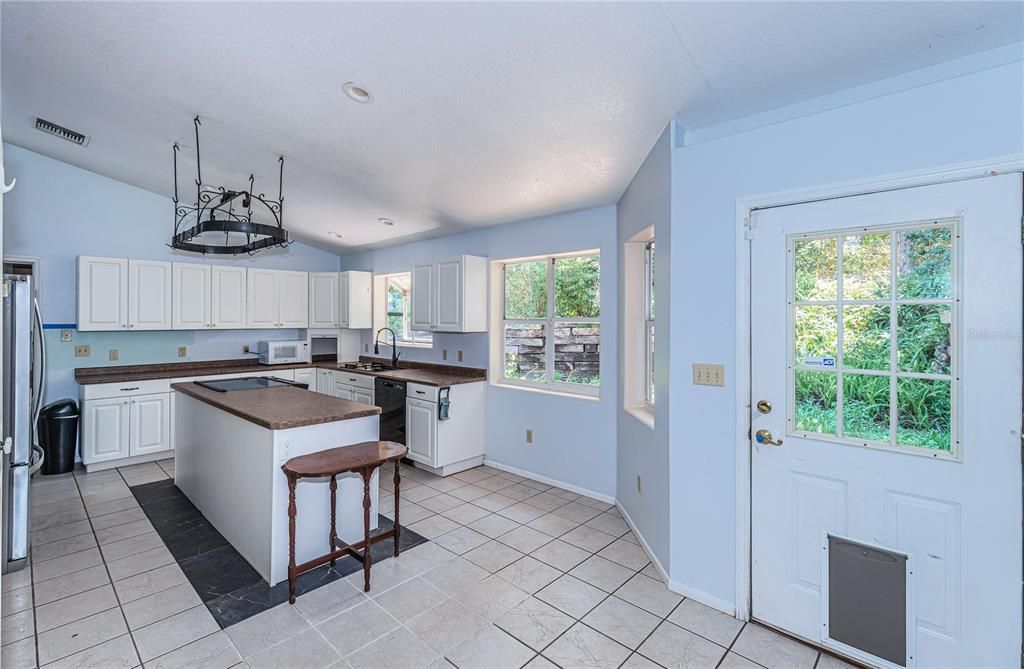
(350, 379)
(421, 392)
(104, 390)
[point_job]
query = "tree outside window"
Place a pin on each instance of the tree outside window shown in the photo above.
(551, 322)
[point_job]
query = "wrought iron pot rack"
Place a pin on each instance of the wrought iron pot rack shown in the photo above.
(221, 210)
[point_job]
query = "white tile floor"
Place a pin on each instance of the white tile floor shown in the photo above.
(517, 573)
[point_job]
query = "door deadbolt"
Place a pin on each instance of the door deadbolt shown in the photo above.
(764, 406)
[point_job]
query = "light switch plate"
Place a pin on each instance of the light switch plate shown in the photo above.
(529, 436)
(705, 374)
(112, 354)
(83, 351)
(182, 351)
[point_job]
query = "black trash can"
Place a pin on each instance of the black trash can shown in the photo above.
(58, 435)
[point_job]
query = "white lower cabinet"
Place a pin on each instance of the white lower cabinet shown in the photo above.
(307, 376)
(421, 431)
(115, 428)
(355, 387)
(324, 382)
(105, 429)
(149, 424)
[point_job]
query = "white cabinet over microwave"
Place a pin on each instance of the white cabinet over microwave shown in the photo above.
(277, 298)
(450, 295)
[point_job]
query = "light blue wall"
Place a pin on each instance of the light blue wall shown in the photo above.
(57, 212)
(574, 439)
(970, 117)
(641, 450)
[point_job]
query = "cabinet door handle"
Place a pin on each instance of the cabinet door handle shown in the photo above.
(420, 392)
(127, 389)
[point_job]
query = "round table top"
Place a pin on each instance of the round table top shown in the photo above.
(345, 459)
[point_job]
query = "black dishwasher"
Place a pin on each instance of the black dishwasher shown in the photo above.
(390, 397)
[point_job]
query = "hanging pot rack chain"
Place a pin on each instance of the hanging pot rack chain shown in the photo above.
(214, 212)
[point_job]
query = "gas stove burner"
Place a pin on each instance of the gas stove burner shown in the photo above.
(367, 366)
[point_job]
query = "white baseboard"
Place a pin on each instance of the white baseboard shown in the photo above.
(643, 543)
(723, 605)
(607, 499)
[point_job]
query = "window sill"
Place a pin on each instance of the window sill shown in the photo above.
(409, 344)
(545, 391)
(644, 414)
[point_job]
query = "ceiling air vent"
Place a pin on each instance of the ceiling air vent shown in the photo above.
(62, 132)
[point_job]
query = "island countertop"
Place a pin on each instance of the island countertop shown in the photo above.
(279, 408)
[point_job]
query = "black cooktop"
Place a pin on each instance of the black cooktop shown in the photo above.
(250, 383)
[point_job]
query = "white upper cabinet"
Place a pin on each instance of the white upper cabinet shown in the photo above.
(356, 303)
(102, 293)
(227, 297)
(293, 299)
(190, 302)
(324, 302)
(277, 299)
(450, 295)
(422, 289)
(261, 298)
(149, 295)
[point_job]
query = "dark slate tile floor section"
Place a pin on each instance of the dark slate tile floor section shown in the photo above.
(229, 586)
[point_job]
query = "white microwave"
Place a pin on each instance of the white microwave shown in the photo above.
(283, 352)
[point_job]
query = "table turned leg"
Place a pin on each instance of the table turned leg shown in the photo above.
(334, 521)
(367, 556)
(398, 528)
(291, 539)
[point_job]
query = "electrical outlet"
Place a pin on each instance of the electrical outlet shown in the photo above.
(83, 351)
(65, 335)
(708, 375)
(639, 488)
(112, 354)
(529, 436)
(444, 354)
(460, 356)
(245, 348)
(366, 348)
(182, 351)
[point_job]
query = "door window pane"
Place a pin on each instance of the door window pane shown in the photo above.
(815, 333)
(866, 267)
(526, 289)
(815, 264)
(923, 338)
(525, 345)
(578, 287)
(578, 353)
(866, 337)
(866, 407)
(924, 409)
(924, 263)
(816, 402)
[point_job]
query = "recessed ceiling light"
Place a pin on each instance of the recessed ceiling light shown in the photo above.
(357, 93)
(385, 221)
(332, 233)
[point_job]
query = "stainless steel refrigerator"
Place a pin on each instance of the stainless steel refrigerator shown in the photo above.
(24, 361)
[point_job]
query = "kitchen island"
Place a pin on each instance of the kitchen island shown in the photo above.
(229, 450)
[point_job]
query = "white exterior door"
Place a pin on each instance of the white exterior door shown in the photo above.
(227, 297)
(261, 295)
(150, 424)
(149, 295)
(105, 430)
(190, 297)
(293, 299)
(886, 338)
(421, 430)
(449, 296)
(102, 293)
(422, 295)
(323, 300)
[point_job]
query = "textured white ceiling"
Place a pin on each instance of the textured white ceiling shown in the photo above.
(483, 113)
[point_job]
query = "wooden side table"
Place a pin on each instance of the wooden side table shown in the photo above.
(360, 459)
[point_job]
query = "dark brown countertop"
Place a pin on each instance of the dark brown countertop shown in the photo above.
(425, 373)
(280, 408)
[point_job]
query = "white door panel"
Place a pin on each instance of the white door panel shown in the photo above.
(227, 297)
(261, 296)
(149, 295)
(293, 299)
(422, 291)
(191, 296)
(421, 431)
(449, 295)
(324, 302)
(105, 430)
(918, 450)
(102, 293)
(150, 424)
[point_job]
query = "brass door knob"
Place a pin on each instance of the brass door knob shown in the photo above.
(765, 437)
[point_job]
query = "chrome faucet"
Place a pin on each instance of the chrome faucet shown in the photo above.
(394, 346)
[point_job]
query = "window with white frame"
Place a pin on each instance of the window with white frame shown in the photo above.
(395, 305)
(649, 323)
(551, 330)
